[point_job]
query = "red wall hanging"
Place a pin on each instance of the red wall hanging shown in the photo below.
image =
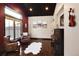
(72, 22)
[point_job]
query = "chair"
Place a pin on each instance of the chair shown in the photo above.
(25, 38)
(10, 46)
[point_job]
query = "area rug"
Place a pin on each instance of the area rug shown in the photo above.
(34, 48)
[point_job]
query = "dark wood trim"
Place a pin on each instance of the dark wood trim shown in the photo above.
(14, 29)
(41, 38)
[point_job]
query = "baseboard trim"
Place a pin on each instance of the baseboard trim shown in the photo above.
(41, 38)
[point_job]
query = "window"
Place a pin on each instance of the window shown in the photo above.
(12, 13)
(13, 24)
(13, 27)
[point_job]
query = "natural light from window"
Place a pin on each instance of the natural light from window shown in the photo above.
(13, 13)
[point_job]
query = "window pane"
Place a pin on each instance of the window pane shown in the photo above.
(9, 28)
(17, 29)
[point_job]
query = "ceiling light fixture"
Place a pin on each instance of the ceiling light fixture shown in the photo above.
(46, 8)
(30, 9)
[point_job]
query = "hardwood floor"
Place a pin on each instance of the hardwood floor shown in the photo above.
(47, 50)
(46, 47)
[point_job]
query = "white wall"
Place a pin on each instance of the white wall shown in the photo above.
(41, 32)
(71, 36)
(59, 10)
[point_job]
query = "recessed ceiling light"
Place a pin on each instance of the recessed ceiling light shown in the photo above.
(30, 9)
(46, 8)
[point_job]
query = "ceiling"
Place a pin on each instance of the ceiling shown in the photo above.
(38, 9)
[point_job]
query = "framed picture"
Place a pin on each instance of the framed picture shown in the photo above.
(40, 25)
